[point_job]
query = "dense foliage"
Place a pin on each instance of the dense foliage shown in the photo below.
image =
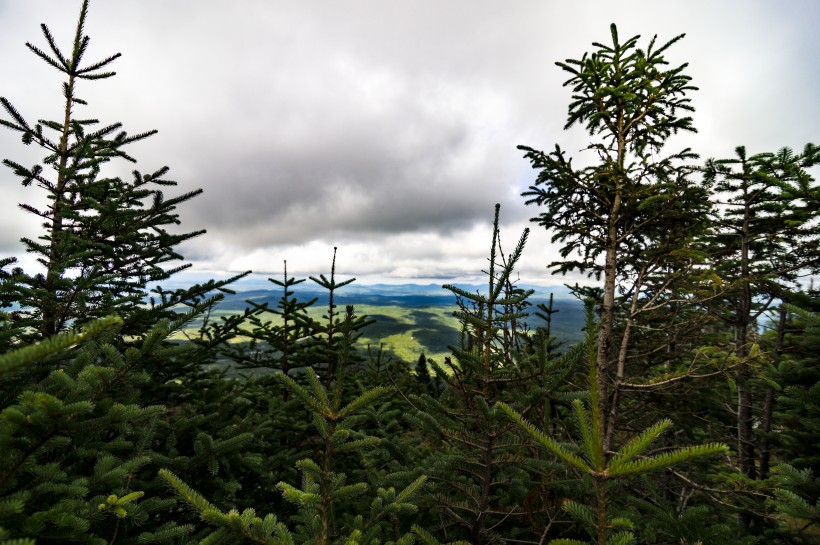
(688, 414)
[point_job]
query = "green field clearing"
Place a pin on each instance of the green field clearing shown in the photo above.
(404, 332)
(407, 330)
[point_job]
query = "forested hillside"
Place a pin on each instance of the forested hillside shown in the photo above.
(685, 413)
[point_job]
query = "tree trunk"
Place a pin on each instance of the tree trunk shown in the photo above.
(479, 527)
(769, 401)
(600, 491)
(53, 318)
(620, 370)
(607, 310)
(745, 437)
(766, 427)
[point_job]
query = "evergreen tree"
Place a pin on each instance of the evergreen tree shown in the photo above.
(75, 445)
(278, 342)
(342, 479)
(85, 429)
(423, 372)
(795, 433)
(632, 217)
(591, 458)
(766, 237)
(13, 505)
(487, 486)
(106, 239)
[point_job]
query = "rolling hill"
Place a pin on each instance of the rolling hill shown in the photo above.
(411, 319)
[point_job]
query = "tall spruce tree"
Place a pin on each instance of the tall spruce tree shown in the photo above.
(632, 216)
(105, 239)
(83, 430)
(765, 238)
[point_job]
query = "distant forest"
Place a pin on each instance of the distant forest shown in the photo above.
(409, 319)
(683, 410)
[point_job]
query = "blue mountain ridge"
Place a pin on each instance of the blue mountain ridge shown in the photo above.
(404, 295)
(414, 298)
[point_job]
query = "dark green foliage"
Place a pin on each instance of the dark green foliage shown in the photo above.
(795, 433)
(511, 439)
(797, 505)
(276, 346)
(105, 238)
(663, 525)
(487, 485)
(629, 99)
(423, 372)
(346, 474)
(83, 428)
(766, 237)
(591, 458)
(73, 442)
(631, 218)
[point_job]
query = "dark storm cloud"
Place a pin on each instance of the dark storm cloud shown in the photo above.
(405, 169)
(388, 126)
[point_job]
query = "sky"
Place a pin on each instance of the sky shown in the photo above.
(385, 128)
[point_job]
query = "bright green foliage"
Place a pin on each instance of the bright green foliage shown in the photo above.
(332, 506)
(74, 441)
(33, 353)
(28, 355)
(590, 458)
(247, 525)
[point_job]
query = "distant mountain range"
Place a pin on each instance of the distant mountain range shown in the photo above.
(405, 295)
(566, 325)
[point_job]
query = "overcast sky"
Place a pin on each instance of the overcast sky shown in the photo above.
(386, 128)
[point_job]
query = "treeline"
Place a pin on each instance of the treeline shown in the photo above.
(688, 415)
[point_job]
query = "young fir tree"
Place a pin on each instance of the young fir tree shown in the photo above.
(631, 217)
(345, 495)
(75, 445)
(12, 506)
(280, 341)
(591, 459)
(279, 337)
(488, 488)
(423, 373)
(795, 433)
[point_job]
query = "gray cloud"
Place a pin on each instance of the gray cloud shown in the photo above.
(376, 123)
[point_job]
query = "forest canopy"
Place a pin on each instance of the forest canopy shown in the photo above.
(688, 413)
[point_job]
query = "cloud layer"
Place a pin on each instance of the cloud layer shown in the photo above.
(388, 129)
